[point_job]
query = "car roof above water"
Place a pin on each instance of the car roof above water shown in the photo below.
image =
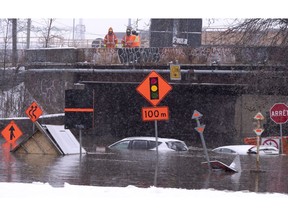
(240, 149)
(160, 139)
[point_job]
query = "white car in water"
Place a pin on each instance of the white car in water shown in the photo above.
(149, 143)
(247, 149)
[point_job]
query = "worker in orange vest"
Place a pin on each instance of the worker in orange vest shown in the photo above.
(110, 39)
(128, 39)
(137, 40)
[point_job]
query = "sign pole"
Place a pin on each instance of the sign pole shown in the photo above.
(200, 128)
(279, 114)
(80, 139)
(281, 140)
(154, 88)
(157, 155)
(258, 130)
(258, 157)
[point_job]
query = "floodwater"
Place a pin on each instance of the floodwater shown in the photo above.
(139, 168)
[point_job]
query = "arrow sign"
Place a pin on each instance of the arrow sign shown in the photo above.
(11, 132)
(196, 115)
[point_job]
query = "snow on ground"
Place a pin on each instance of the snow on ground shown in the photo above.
(43, 199)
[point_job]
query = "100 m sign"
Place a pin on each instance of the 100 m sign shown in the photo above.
(155, 113)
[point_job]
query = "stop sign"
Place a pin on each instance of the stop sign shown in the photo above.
(279, 113)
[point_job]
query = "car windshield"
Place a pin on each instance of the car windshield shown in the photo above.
(177, 145)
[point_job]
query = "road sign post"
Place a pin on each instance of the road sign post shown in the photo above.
(279, 114)
(154, 88)
(200, 129)
(258, 130)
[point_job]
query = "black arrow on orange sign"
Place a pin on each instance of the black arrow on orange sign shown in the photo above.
(31, 112)
(11, 129)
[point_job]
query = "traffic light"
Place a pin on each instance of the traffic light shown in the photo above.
(154, 90)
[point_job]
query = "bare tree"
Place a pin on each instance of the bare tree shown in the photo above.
(257, 32)
(47, 31)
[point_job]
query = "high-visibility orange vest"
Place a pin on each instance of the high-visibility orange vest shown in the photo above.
(110, 41)
(128, 41)
(137, 41)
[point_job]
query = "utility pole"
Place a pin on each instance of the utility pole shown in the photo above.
(129, 22)
(73, 35)
(28, 33)
(14, 43)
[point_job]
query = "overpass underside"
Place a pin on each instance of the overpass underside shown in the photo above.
(228, 85)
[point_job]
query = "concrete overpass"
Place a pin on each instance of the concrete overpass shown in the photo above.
(229, 85)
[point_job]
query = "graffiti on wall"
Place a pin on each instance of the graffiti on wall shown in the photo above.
(126, 56)
(152, 55)
(138, 55)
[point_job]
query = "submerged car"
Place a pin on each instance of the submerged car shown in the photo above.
(264, 150)
(247, 149)
(149, 143)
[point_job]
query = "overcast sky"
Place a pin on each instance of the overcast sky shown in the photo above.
(98, 16)
(98, 27)
(145, 9)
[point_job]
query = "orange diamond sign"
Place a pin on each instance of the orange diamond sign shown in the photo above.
(34, 111)
(154, 88)
(11, 132)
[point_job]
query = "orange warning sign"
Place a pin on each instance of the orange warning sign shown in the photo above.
(155, 113)
(34, 111)
(11, 132)
(154, 88)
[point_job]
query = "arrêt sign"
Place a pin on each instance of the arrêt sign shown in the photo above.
(279, 113)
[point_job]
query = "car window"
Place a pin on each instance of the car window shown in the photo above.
(121, 145)
(152, 144)
(177, 146)
(226, 150)
(138, 144)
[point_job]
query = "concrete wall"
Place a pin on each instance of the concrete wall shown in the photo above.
(156, 56)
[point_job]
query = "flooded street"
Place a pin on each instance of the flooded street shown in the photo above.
(138, 168)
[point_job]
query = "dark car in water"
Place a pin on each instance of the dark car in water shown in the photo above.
(149, 143)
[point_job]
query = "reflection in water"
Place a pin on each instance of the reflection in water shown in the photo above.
(175, 170)
(7, 167)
